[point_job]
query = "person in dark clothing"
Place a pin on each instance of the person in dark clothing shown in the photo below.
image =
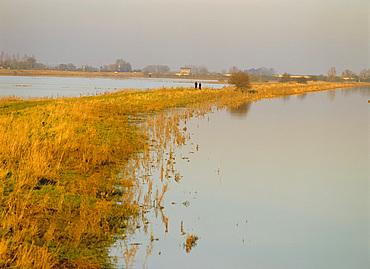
(196, 84)
(200, 86)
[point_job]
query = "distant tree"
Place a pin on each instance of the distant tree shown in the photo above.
(71, 67)
(164, 69)
(109, 68)
(17, 62)
(62, 67)
(364, 75)
(5, 60)
(286, 78)
(29, 62)
(119, 66)
(331, 74)
(156, 69)
(123, 66)
(203, 69)
(40, 66)
(233, 69)
(349, 74)
(2, 58)
(240, 80)
(346, 73)
(88, 68)
(261, 71)
(198, 69)
(268, 71)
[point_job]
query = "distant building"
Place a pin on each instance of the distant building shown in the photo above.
(185, 71)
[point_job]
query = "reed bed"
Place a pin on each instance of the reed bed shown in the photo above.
(67, 166)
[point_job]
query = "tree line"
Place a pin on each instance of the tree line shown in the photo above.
(253, 71)
(17, 62)
(29, 62)
(347, 75)
(8, 61)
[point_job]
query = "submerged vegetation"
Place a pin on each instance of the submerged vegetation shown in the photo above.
(65, 183)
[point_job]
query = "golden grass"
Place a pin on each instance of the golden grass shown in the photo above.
(54, 193)
(64, 166)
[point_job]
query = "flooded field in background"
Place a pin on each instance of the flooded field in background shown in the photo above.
(22, 86)
(279, 183)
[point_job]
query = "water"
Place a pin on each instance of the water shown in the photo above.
(22, 86)
(279, 183)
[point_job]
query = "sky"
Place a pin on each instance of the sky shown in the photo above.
(293, 36)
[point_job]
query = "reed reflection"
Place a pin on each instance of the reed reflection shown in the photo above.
(363, 91)
(302, 96)
(331, 95)
(240, 111)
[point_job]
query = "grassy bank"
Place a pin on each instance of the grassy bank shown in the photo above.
(64, 186)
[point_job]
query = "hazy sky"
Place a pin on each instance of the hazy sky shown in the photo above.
(298, 37)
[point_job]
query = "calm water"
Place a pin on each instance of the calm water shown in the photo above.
(279, 183)
(65, 86)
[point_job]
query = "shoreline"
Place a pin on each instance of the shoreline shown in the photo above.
(217, 78)
(62, 160)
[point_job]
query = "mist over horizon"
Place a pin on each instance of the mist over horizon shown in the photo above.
(308, 37)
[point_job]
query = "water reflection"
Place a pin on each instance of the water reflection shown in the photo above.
(302, 96)
(240, 111)
(23, 86)
(362, 91)
(293, 189)
(129, 255)
(331, 95)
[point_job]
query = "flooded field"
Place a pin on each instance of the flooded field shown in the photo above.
(74, 86)
(279, 183)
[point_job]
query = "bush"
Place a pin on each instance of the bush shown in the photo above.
(240, 80)
(302, 80)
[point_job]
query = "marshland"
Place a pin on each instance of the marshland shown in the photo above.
(132, 178)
